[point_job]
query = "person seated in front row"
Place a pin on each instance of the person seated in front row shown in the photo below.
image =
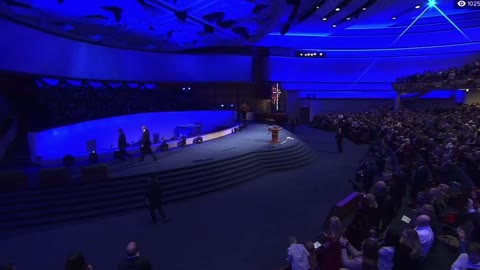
(468, 260)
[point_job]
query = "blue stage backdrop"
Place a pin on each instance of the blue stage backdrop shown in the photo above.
(27, 50)
(72, 139)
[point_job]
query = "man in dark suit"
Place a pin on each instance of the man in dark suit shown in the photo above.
(293, 124)
(339, 139)
(153, 199)
(122, 145)
(134, 261)
(146, 144)
(244, 110)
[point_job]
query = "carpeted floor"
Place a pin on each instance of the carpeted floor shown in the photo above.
(243, 227)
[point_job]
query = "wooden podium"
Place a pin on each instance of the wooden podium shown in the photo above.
(275, 133)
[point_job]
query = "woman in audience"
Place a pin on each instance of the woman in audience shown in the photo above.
(328, 255)
(374, 211)
(353, 259)
(408, 252)
(365, 219)
(428, 210)
(388, 251)
(313, 257)
(437, 201)
(77, 261)
(468, 260)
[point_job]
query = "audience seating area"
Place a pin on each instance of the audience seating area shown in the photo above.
(466, 76)
(66, 104)
(419, 206)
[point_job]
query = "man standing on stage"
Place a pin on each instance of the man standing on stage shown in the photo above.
(339, 138)
(146, 147)
(122, 145)
(244, 110)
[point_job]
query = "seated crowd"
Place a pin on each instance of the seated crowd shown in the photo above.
(464, 76)
(66, 104)
(133, 261)
(420, 207)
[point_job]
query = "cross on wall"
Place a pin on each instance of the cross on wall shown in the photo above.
(276, 92)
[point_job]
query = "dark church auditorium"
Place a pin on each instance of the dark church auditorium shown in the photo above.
(240, 134)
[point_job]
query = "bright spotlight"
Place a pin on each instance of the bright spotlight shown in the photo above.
(334, 25)
(324, 19)
(337, 9)
(318, 7)
(364, 8)
(394, 18)
(417, 7)
(432, 3)
(348, 18)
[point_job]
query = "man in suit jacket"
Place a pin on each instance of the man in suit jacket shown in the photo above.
(339, 139)
(146, 144)
(122, 145)
(153, 199)
(134, 261)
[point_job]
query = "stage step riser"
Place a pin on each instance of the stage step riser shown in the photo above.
(129, 195)
(124, 204)
(126, 191)
(84, 201)
(172, 183)
(166, 175)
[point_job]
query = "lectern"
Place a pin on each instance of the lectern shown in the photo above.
(275, 133)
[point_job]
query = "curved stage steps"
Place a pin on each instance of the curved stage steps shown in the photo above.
(34, 208)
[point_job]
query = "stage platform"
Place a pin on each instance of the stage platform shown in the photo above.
(184, 172)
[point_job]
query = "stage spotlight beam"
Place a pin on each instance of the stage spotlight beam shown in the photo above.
(450, 21)
(408, 27)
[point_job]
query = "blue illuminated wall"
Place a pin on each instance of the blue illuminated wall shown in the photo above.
(373, 39)
(26, 50)
(73, 139)
(359, 73)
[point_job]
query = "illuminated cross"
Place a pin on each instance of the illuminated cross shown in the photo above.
(276, 92)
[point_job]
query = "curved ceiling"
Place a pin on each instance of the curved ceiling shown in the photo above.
(378, 24)
(157, 25)
(176, 25)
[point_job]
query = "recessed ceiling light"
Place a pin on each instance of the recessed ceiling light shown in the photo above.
(337, 9)
(364, 8)
(324, 19)
(334, 25)
(318, 7)
(348, 18)
(417, 7)
(394, 18)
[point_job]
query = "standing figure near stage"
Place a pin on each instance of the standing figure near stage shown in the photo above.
(122, 145)
(146, 147)
(153, 199)
(339, 139)
(293, 124)
(243, 111)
